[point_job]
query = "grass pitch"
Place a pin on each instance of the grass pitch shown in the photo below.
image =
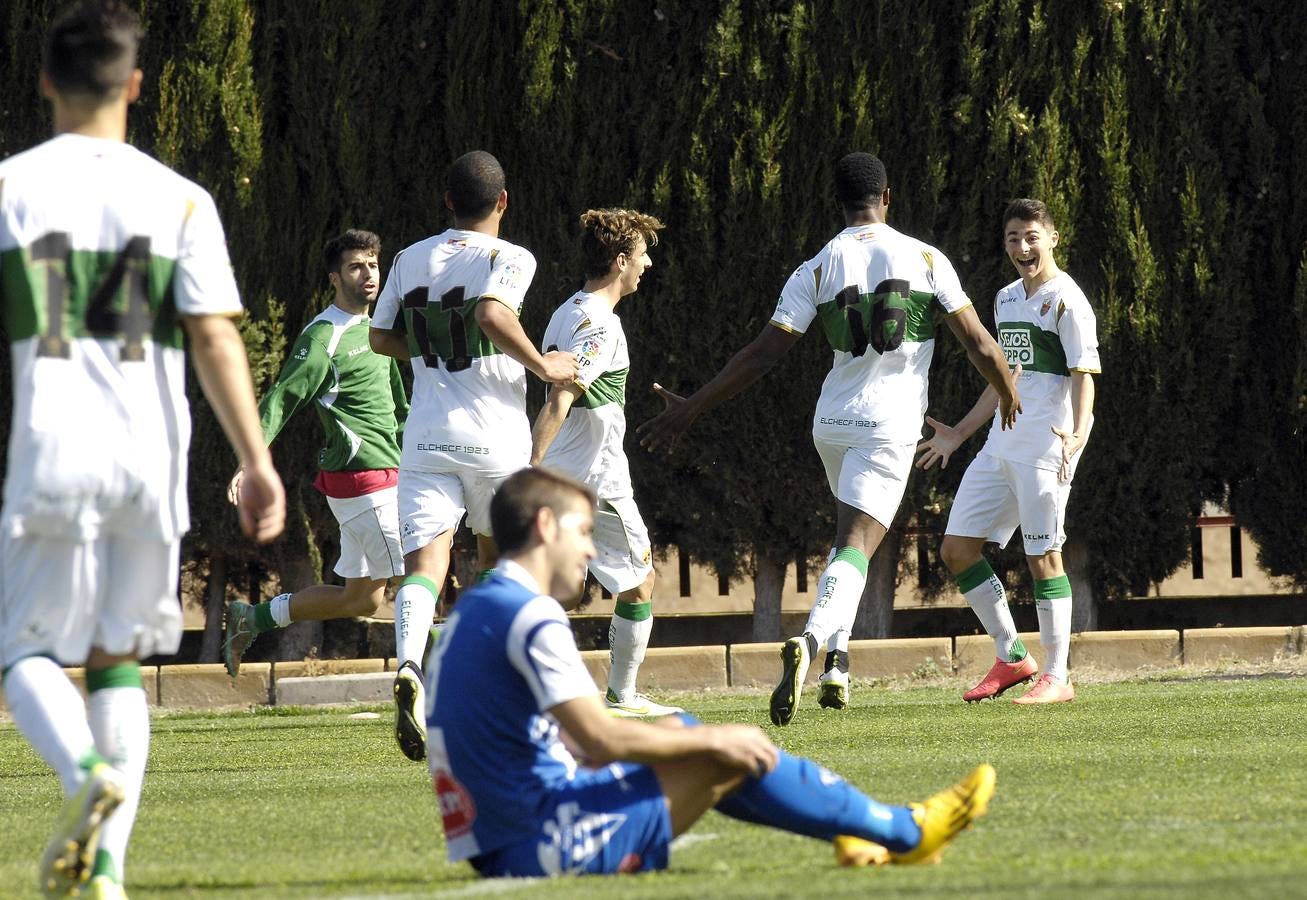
(1161, 788)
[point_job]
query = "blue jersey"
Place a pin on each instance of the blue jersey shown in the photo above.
(505, 657)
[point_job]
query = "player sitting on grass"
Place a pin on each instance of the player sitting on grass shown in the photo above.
(513, 799)
(580, 430)
(360, 401)
(1023, 475)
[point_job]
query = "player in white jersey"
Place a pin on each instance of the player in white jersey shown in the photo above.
(875, 291)
(1023, 476)
(450, 305)
(107, 258)
(580, 431)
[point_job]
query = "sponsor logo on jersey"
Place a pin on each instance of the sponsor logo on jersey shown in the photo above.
(590, 348)
(578, 301)
(456, 242)
(454, 448)
(856, 423)
(1017, 346)
(302, 353)
(1045, 306)
(457, 811)
(356, 351)
(1006, 298)
(1034, 538)
(572, 840)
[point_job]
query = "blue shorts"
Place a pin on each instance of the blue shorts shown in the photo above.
(602, 822)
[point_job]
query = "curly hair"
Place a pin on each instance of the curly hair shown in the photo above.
(608, 233)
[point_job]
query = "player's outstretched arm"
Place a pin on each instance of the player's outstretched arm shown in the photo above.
(988, 358)
(499, 323)
(603, 739)
(941, 445)
(218, 355)
(550, 420)
(743, 369)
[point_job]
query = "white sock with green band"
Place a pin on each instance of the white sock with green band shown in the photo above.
(988, 600)
(120, 720)
(839, 590)
(415, 610)
(1053, 603)
(628, 638)
(50, 714)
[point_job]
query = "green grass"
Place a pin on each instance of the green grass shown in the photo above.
(1139, 789)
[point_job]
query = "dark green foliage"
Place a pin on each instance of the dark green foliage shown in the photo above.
(1167, 137)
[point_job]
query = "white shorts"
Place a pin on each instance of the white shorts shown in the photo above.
(871, 479)
(59, 597)
(996, 495)
(369, 544)
(431, 503)
(623, 557)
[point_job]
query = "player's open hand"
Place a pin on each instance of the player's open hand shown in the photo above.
(939, 446)
(1071, 445)
(560, 368)
(262, 502)
(665, 429)
(234, 487)
(1010, 407)
(744, 747)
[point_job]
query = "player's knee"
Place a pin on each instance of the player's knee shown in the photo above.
(957, 555)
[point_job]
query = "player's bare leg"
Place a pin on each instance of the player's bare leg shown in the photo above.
(317, 603)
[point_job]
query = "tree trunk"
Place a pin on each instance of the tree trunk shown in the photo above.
(215, 596)
(1084, 603)
(768, 580)
(876, 608)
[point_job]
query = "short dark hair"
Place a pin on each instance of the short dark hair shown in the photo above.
(473, 183)
(1027, 210)
(608, 233)
(523, 494)
(859, 181)
(90, 49)
(353, 239)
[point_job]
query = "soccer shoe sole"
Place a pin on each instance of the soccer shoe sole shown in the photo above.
(833, 696)
(409, 733)
(785, 699)
(67, 862)
(856, 852)
(947, 814)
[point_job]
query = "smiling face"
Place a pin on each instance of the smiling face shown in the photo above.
(1029, 245)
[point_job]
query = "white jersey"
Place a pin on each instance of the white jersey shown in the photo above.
(102, 250)
(469, 398)
(1051, 334)
(874, 289)
(589, 445)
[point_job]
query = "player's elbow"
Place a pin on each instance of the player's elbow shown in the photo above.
(377, 341)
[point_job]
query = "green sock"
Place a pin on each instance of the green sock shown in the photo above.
(105, 865)
(263, 620)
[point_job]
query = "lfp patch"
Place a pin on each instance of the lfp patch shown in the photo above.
(590, 349)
